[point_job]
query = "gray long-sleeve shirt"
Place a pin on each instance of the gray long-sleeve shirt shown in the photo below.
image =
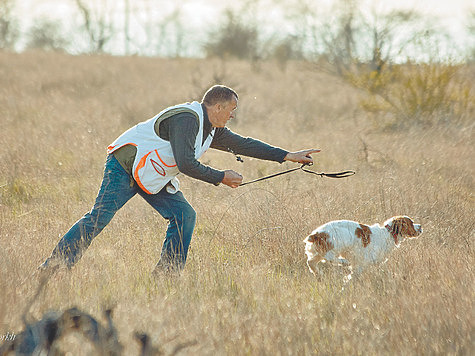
(181, 130)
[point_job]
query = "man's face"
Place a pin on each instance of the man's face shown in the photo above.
(221, 113)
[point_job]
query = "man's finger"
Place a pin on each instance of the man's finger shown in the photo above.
(315, 150)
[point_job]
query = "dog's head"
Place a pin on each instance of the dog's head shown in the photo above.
(402, 227)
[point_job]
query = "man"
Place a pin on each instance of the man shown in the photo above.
(146, 159)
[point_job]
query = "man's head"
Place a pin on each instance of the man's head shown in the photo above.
(220, 102)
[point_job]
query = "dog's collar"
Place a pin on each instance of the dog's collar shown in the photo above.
(392, 232)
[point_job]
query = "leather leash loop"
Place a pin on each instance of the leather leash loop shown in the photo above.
(343, 174)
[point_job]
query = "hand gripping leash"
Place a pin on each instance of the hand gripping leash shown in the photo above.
(321, 174)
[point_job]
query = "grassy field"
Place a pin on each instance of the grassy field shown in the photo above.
(246, 289)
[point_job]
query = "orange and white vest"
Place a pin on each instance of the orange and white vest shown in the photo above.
(154, 164)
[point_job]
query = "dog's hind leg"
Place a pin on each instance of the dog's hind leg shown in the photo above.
(343, 261)
(355, 273)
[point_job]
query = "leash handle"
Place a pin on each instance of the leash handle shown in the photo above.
(270, 176)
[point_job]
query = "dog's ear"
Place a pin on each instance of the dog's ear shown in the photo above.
(403, 226)
(396, 225)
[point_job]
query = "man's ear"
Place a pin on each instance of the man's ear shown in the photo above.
(213, 108)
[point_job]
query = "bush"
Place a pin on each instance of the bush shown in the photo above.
(425, 93)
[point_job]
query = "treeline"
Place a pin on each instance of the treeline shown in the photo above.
(252, 30)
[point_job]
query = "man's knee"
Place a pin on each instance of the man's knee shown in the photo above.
(98, 217)
(189, 215)
(184, 220)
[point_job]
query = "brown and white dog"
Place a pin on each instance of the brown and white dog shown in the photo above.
(357, 245)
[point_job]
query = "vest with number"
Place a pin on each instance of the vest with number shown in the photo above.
(154, 166)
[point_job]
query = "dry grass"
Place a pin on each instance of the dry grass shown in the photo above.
(246, 288)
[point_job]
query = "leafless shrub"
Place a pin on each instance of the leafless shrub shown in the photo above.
(47, 35)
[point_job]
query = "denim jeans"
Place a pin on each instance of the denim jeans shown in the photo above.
(116, 189)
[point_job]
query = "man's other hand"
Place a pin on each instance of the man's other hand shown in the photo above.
(232, 179)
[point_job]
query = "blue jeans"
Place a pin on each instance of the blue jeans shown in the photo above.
(116, 189)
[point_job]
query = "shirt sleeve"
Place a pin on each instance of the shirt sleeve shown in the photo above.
(183, 129)
(226, 140)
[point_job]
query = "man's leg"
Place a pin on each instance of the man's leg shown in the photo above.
(115, 191)
(181, 223)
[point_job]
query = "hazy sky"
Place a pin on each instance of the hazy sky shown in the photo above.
(444, 8)
(199, 15)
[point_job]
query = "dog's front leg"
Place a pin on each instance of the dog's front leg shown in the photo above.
(312, 266)
(355, 273)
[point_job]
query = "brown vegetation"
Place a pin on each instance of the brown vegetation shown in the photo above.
(246, 288)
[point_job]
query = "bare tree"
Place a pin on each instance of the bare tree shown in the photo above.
(353, 42)
(126, 27)
(391, 34)
(162, 26)
(171, 34)
(338, 37)
(233, 37)
(302, 17)
(179, 32)
(9, 32)
(97, 24)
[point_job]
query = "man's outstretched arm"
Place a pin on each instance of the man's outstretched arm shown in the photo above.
(226, 140)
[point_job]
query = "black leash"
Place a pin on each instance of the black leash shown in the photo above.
(343, 174)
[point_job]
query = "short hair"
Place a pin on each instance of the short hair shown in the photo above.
(218, 94)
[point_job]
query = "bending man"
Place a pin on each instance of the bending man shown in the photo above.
(146, 159)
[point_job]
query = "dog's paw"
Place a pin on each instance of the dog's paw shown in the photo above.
(347, 279)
